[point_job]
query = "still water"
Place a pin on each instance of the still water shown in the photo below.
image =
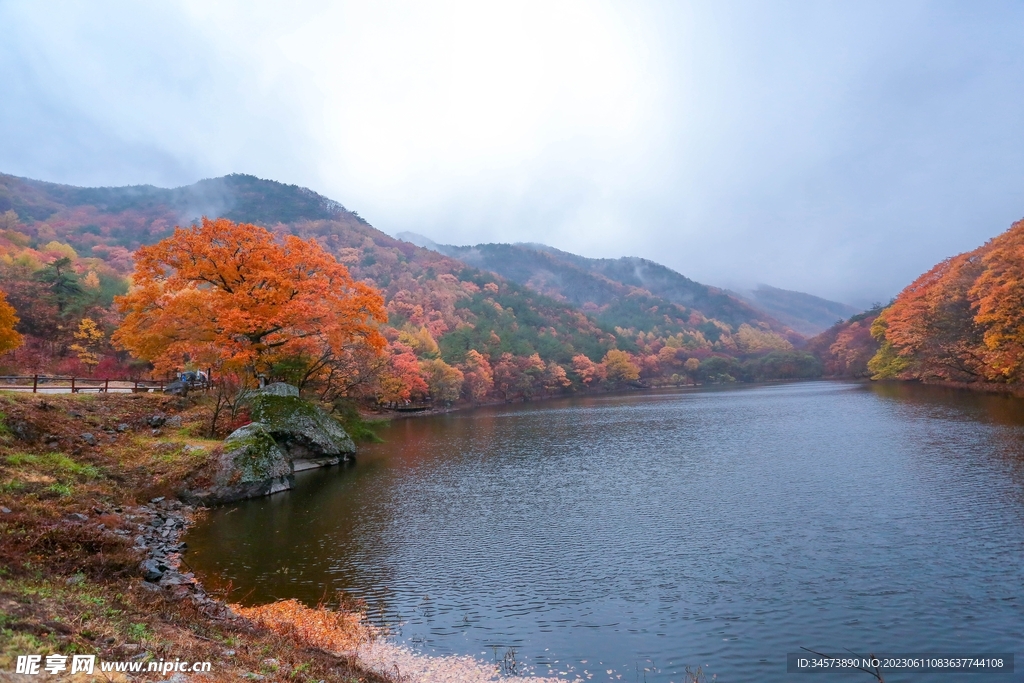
(645, 533)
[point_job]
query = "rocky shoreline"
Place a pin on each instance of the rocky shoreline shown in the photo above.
(161, 525)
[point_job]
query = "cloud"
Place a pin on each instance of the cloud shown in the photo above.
(839, 149)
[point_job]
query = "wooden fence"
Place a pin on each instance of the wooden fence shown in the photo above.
(39, 384)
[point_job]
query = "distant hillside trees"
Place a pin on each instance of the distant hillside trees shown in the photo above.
(51, 289)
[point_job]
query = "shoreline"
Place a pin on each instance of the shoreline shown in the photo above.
(93, 561)
(623, 391)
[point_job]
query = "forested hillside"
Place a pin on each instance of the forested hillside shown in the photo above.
(454, 329)
(846, 348)
(961, 322)
(613, 290)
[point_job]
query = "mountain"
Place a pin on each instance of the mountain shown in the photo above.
(627, 291)
(807, 314)
(542, 317)
(422, 287)
(142, 214)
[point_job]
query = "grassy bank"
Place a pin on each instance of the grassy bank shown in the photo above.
(75, 471)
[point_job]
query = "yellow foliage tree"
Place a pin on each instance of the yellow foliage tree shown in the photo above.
(752, 340)
(619, 367)
(445, 382)
(10, 339)
(421, 341)
(89, 336)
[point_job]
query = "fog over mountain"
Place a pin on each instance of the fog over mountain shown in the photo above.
(836, 149)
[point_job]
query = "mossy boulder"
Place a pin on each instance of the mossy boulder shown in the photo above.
(287, 435)
(250, 465)
(254, 454)
(308, 435)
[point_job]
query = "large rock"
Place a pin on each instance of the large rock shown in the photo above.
(251, 465)
(309, 436)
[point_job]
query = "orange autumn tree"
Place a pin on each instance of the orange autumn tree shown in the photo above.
(231, 296)
(998, 298)
(930, 331)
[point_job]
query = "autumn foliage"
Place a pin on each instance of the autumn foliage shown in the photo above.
(9, 337)
(298, 301)
(231, 295)
(962, 321)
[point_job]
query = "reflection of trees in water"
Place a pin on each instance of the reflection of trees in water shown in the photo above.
(967, 412)
(286, 545)
(1001, 409)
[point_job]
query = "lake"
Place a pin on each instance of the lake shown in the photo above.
(639, 534)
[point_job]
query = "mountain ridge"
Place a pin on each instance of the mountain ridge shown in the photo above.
(806, 314)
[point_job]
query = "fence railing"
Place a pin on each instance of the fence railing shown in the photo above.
(38, 384)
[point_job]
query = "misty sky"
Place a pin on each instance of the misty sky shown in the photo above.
(839, 149)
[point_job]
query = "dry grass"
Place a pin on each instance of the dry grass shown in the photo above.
(119, 620)
(338, 632)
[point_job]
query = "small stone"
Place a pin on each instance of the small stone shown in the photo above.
(173, 422)
(140, 541)
(23, 430)
(53, 445)
(229, 653)
(157, 420)
(75, 413)
(89, 439)
(152, 570)
(5, 510)
(177, 388)
(156, 432)
(123, 427)
(156, 500)
(75, 580)
(78, 516)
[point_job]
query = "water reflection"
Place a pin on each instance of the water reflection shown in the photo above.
(724, 527)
